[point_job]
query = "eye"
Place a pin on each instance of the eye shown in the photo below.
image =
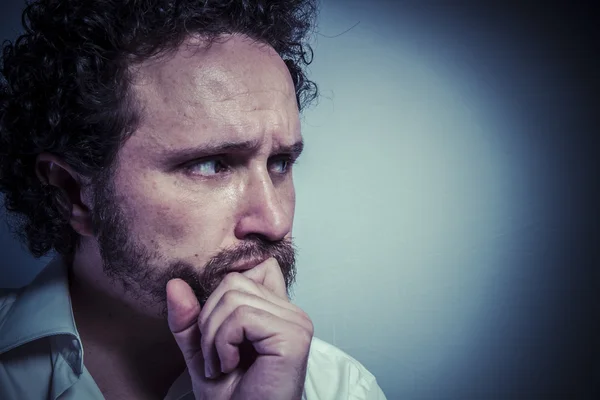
(209, 167)
(281, 165)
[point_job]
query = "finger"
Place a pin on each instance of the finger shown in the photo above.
(227, 305)
(238, 282)
(183, 310)
(268, 273)
(270, 335)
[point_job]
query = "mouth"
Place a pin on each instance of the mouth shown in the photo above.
(246, 265)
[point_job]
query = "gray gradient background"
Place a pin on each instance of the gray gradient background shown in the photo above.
(447, 214)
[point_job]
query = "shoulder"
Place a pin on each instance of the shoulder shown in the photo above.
(325, 354)
(334, 374)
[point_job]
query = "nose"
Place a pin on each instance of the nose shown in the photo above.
(266, 210)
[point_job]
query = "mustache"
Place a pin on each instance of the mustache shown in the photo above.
(253, 248)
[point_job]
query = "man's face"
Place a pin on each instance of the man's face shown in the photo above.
(204, 185)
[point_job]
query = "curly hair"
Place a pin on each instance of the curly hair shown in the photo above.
(64, 87)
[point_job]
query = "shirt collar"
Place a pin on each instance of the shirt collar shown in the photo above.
(41, 309)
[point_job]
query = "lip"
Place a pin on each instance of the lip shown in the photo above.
(246, 265)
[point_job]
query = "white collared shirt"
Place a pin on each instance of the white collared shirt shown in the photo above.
(41, 355)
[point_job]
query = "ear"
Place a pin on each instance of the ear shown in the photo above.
(52, 170)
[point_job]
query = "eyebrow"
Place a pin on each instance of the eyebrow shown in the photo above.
(251, 146)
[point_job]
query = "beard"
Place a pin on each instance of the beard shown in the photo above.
(144, 272)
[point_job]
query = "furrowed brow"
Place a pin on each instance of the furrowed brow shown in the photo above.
(295, 150)
(176, 156)
(210, 149)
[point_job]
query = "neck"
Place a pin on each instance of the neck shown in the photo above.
(125, 351)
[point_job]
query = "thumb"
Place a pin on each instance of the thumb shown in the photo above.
(183, 310)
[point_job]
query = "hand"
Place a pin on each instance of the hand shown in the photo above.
(246, 308)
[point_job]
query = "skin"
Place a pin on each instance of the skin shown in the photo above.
(151, 285)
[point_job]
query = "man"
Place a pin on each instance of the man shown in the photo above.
(150, 144)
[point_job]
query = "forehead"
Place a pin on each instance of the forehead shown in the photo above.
(234, 87)
(197, 72)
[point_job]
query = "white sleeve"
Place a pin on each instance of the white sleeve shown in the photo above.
(367, 389)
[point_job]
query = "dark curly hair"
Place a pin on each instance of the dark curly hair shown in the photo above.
(64, 87)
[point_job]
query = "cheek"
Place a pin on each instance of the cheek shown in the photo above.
(170, 218)
(174, 223)
(156, 224)
(170, 223)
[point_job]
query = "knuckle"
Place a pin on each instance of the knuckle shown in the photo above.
(232, 279)
(231, 298)
(242, 311)
(273, 265)
(310, 327)
(306, 321)
(305, 337)
(303, 314)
